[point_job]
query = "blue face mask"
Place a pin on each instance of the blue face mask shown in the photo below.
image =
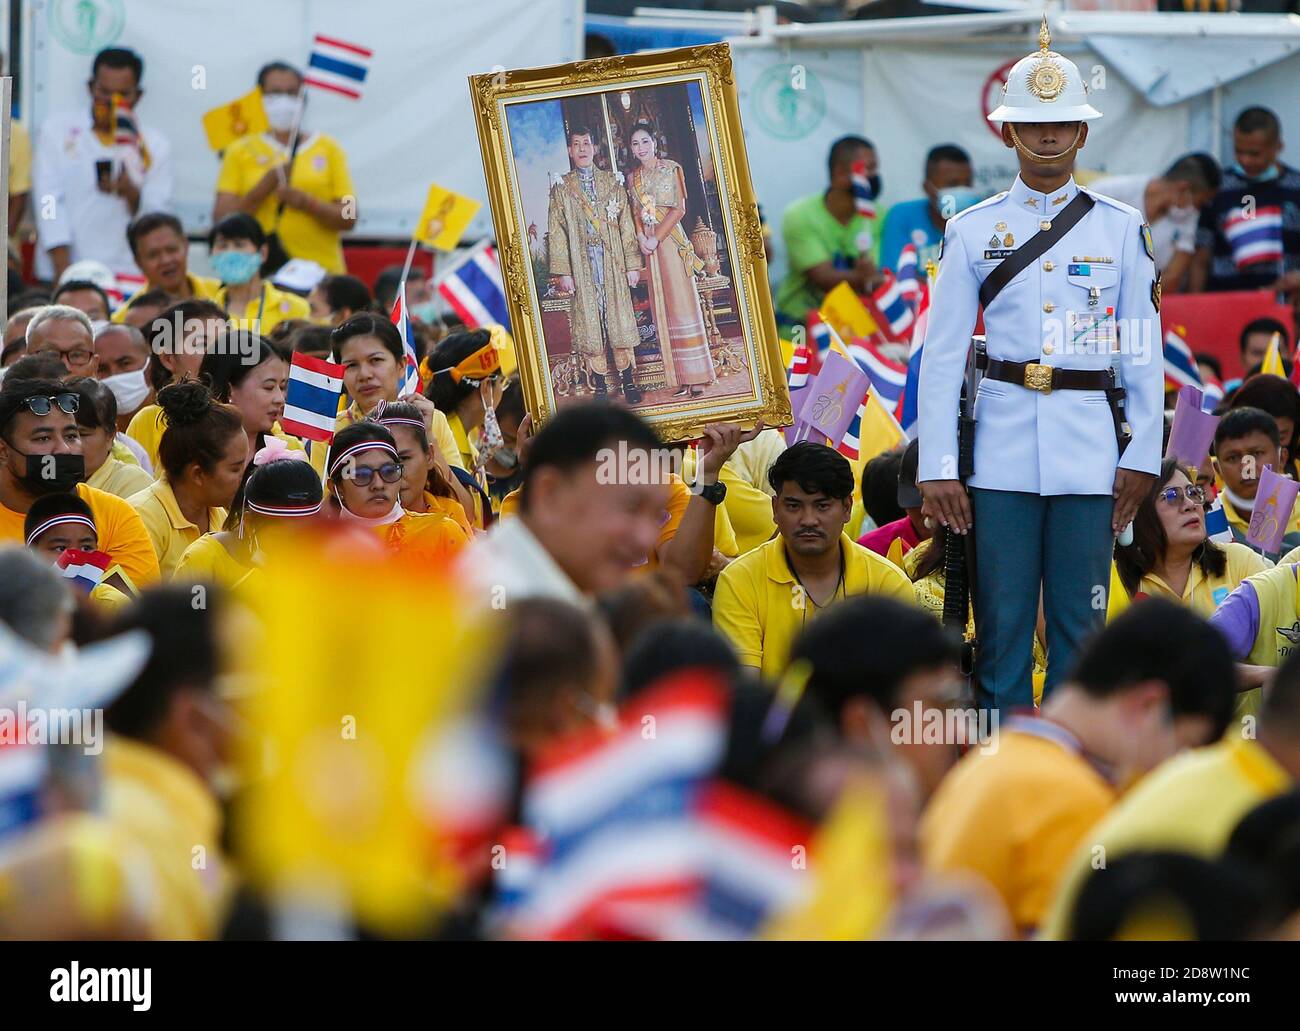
(236, 267)
(956, 198)
(427, 313)
(1271, 172)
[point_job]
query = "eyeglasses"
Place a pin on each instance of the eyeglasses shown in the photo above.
(41, 405)
(389, 472)
(1172, 495)
(76, 358)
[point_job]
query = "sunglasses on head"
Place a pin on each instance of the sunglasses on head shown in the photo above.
(42, 405)
(389, 472)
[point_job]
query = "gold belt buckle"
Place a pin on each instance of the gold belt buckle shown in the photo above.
(1038, 377)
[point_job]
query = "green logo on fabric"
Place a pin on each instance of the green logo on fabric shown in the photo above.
(87, 26)
(789, 101)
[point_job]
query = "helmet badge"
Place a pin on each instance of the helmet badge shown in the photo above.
(1047, 80)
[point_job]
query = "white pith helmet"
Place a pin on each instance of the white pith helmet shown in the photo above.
(1044, 87)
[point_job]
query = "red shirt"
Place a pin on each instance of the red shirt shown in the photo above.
(880, 539)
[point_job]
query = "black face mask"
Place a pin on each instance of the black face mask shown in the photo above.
(51, 474)
(873, 184)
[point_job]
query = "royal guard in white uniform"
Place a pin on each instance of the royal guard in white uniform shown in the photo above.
(1069, 410)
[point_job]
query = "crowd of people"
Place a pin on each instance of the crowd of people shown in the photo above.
(578, 700)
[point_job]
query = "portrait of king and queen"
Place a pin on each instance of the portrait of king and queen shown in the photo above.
(628, 248)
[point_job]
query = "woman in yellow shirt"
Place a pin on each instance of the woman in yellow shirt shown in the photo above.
(238, 248)
(1170, 555)
(97, 422)
(423, 488)
(249, 375)
(282, 488)
(365, 478)
(202, 452)
(466, 387)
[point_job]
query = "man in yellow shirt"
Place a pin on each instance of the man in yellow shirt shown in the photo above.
(306, 197)
(1246, 440)
(1155, 681)
(158, 243)
(238, 247)
(764, 598)
(41, 453)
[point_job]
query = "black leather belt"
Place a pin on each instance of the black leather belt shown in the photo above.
(1046, 378)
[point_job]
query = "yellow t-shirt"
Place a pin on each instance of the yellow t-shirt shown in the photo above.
(1202, 594)
(120, 530)
(320, 169)
(202, 287)
(760, 607)
(1015, 815)
(169, 530)
(120, 478)
(1190, 803)
(280, 305)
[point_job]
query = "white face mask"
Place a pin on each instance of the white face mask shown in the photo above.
(281, 110)
(130, 389)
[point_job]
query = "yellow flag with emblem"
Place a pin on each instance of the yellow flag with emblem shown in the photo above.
(445, 217)
(845, 313)
(242, 116)
(879, 431)
(1272, 364)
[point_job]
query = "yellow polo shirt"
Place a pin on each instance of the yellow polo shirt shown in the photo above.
(320, 169)
(1189, 803)
(1015, 816)
(147, 425)
(759, 606)
(169, 530)
(429, 535)
(120, 530)
(1202, 594)
(209, 561)
(203, 287)
(120, 478)
(452, 509)
(280, 306)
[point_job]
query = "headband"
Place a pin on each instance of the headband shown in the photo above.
(482, 363)
(365, 445)
(59, 520)
(379, 417)
(284, 511)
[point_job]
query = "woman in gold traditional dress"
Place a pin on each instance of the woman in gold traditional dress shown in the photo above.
(658, 195)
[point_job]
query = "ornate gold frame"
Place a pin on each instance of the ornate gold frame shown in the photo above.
(710, 65)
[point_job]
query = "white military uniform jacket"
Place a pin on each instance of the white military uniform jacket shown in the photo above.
(1062, 442)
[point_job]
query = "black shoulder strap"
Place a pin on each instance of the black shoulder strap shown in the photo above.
(1035, 246)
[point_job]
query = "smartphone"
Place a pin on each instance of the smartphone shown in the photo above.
(104, 173)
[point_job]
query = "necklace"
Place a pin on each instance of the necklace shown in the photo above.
(839, 584)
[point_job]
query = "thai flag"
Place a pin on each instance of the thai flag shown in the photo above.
(800, 367)
(1255, 239)
(311, 404)
(897, 316)
(474, 290)
(337, 66)
(400, 318)
(909, 275)
(863, 199)
(22, 778)
(887, 376)
(84, 568)
(1216, 523)
(1212, 395)
(908, 408)
(851, 444)
(819, 332)
(1180, 366)
(125, 130)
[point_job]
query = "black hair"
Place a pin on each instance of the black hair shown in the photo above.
(368, 324)
(673, 645)
(239, 226)
(1205, 358)
(1256, 119)
(161, 333)
(185, 654)
(511, 405)
(647, 128)
(1137, 559)
(346, 292)
(33, 298)
(816, 468)
(1211, 901)
(1281, 706)
(867, 647)
(577, 435)
(227, 367)
(946, 152)
(880, 488)
(842, 151)
(14, 392)
(73, 285)
(578, 129)
(1263, 325)
(435, 483)
(198, 428)
(357, 433)
(41, 365)
(148, 223)
(314, 340)
(1273, 394)
(98, 409)
(47, 506)
(1267, 839)
(118, 57)
(1242, 422)
(157, 298)
(1160, 640)
(275, 66)
(1199, 170)
(445, 392)
(282, 483)
(386, 284)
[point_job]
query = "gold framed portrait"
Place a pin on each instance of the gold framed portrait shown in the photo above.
(629, 238)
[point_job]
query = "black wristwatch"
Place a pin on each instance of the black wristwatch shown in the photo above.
(714, 493)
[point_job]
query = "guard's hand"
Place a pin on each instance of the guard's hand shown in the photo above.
(1130, 488)
(946, 502)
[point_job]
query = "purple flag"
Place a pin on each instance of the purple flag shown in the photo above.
(1271, 516)
(1192, 433)
(832, 400)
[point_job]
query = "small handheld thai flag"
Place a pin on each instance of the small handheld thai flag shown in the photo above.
(84, 568)
(311, 404)
(474, 290)
(337, 66)
(887, 376)
(1216, 523)
(1212, 395)
(864, 201)
(851, 443)
(897, 316)
(909, 275)
(126, 130)
(1255, 239)
(800, 366)
(909, 406)
(819, 333)
(400, 318)
(1180, 366)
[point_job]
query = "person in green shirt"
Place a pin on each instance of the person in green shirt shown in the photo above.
(826, 241)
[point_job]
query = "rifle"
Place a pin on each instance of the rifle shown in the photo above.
(959, 549)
